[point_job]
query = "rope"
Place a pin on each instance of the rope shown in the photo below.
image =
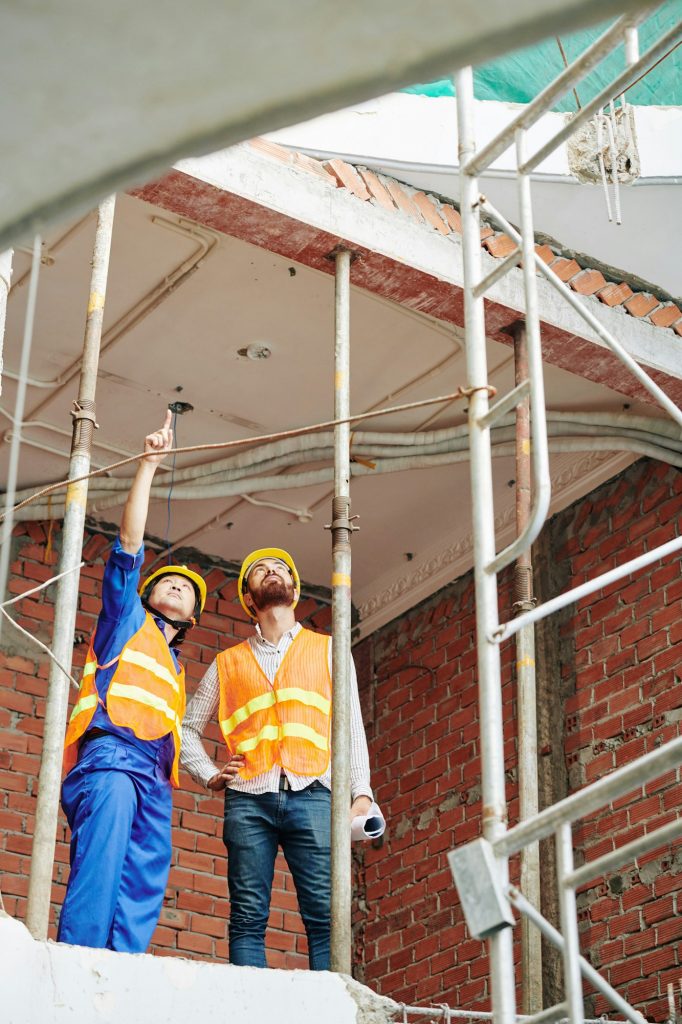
(239, 442)
(39, 643)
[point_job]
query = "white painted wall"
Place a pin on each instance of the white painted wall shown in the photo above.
(51, 983)
(414, 139)
(423, 130)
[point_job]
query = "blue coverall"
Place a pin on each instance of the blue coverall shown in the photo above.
(117, 799)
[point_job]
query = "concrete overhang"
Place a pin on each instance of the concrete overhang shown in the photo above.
(53, 983)
(244, 193)
(97, 96)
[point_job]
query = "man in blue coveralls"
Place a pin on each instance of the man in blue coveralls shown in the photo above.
(124, 737)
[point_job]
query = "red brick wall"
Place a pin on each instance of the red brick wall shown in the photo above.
(617, 664)
(615, 669)
(194, 917)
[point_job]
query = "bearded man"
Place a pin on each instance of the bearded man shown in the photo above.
(273, 694)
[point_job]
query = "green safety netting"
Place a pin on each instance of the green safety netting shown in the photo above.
(520, 76)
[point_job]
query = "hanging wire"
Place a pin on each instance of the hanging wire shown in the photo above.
(600, 120)
(612, 128)
(565, 60)
(19, 406)
(649, 70)
(170, 488)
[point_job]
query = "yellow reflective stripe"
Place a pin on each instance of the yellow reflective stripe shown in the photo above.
(259, 703)
(89, 669)
(152, 665)
(143, 697)
(271, 732)
(309, 697)
(268, 732)
(84, 704)
(266, 700)
(304, 732)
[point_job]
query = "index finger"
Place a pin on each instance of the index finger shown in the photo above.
(169, 420)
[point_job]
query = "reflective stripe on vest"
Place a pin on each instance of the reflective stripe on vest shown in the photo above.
(146, 693)
(285, 723)
(84, 704)
(275, 732)
(89, 668)
(126, 692)
(151, 665)
(267, 700)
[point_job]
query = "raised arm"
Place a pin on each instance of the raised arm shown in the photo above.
(134, 517)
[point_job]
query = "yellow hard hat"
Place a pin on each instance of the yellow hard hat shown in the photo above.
(176, 570)
(256, 556)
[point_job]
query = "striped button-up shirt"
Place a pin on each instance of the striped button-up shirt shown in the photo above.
(204, 705)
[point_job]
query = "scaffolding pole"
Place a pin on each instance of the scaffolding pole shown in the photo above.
(490, 693)
(42, 859)
(341, 529)
(5, 279)
(557, 819)
(527, 733)
(17, 422)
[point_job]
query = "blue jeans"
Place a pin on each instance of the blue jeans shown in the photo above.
(254, 827)
(118, 804)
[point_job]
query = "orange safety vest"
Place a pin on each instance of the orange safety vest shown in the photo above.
(286, 723)
(146, 693)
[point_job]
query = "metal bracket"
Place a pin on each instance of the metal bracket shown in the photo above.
(343, 524)
(79, 413)
(354, 255)
(477, 877)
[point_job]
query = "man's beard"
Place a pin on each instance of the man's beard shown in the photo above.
(272, 593)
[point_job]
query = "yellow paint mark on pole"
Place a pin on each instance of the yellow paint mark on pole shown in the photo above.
(525, 446)
(339, 379)
(77, 494)
(526, 663)
(340, 579)
(96, 301)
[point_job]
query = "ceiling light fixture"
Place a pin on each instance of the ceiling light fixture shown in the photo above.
(255, 351)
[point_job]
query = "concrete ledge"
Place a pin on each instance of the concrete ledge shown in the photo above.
(52, 983)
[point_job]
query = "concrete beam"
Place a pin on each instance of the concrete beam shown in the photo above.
(52, 983)
(300, 216)
(101, 95)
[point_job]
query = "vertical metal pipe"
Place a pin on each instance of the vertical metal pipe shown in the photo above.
(527, 737)
(341, 625)
(5, 278)
(40, 881)
(483, 525)
(631, 46)
(19, 406)
(569, 925)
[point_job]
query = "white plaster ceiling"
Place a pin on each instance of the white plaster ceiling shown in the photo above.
(415, 526)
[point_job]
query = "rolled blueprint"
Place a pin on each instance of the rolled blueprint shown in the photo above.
(368, 826)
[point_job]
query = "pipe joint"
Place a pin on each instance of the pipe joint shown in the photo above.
(84, 425)
(341, 518)
(339, 249)
(523, 586)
